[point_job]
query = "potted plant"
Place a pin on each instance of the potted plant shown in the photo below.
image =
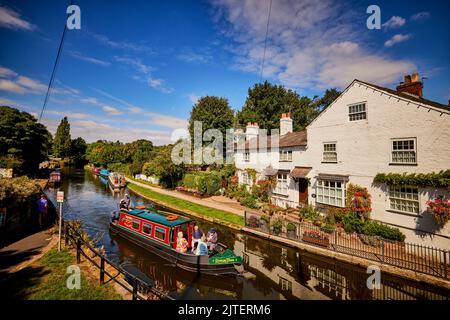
(265, 220)
(291, 230)
(277, 225)
(440, 209)
(316, 237)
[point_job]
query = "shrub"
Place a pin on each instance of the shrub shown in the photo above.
(309, 213)
(213, 183)
(249, 201)
(189, 181)
(374, 228)
(352, 223)
(290, 227)
(265, 218)
(200, 183)
(277, 225)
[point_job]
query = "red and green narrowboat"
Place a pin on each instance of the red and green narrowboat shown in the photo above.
(157, 232)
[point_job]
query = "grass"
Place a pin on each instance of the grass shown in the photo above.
(187, 205)
(52, 284)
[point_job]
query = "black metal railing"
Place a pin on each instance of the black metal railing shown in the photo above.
(138, 285)
(423, 259)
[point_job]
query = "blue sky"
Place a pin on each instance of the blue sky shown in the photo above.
(135, 68)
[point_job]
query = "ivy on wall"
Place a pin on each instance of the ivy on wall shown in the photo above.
(436, 180)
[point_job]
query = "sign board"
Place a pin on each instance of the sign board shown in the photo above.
(60, 196)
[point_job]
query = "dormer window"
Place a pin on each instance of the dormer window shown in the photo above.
(357, 112)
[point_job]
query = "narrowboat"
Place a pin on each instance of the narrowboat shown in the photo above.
(116, 181)
(104, 173)
(96, 171)
(157, 232)
(55, 177)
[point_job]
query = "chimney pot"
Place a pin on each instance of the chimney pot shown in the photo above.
(411, 85)
(415, 77)
(407, 79)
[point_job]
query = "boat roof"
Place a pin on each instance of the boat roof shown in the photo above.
(157, 217)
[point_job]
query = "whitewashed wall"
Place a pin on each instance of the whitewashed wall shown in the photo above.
(364, 149)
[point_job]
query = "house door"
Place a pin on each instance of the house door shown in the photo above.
(303, 191)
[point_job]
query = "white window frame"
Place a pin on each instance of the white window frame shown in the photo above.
(357, 114)
(282, 186)
(329, 152)
(405, 197)
(246, 178)
(328, 188)
(285, 155)
(246, 156)
(414, 139)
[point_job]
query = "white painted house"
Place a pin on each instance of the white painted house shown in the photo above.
(370, 129)
(367, 130)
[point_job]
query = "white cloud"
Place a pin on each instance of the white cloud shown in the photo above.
(124, 45)
(193, 57)
(68, 114)
(193, 98)
(7, 102)
(159, 85)
(167, 121)
(420, 16)
(111, 110)
(11, 19)
(11, 86)
(96, 61)
(6, 73)
(397, 39)
(394, 22)
(311, 44)
(33, 85)
(135, 63)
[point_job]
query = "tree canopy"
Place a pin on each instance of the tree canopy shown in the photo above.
(62, 142)
(213, 112)
(78, 151)
(24, 143)
(266, 102)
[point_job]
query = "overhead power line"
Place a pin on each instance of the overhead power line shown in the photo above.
(265, 41)
(55, 66)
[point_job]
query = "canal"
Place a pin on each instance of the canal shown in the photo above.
(281, 272)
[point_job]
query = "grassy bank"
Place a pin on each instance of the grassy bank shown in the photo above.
(46, 280)
(188, 207)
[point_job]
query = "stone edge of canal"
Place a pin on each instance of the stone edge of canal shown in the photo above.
(361, 262)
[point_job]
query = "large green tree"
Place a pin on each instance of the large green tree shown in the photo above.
(266, 102)
(78, 151)
(213, 112)
(24, 142)
(162, 166)
(62, 141)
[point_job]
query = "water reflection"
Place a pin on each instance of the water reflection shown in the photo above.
(280, 272)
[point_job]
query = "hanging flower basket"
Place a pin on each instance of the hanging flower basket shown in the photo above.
(440, 209)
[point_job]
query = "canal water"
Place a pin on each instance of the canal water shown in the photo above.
(281, 272)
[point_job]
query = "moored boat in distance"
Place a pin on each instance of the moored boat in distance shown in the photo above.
(55, 177)
(117, 181)
(96, 171)
(104, 173)
(157, 232)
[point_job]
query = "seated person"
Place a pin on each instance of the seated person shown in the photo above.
(202, 248)
(125, 203)
(197, 234)
(211, 239)
(182, 244)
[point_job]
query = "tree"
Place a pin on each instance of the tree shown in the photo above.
(24, 143)
(78, 151)
(62, 142)
(162, 166)
(213, 112)
(266, 102)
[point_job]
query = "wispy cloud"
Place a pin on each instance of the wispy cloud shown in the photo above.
(193, 98)
(111, 110)
(193, 57)
(96, 61)
(311, 44)
(124, 45)
(12, 20)
(135, 63)
(397, 39)
(420, 16)
(16, 83)
(394, 22)
(159, 85)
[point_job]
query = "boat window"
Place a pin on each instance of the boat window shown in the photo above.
(147, 228)
(136, 224)
(160, 233)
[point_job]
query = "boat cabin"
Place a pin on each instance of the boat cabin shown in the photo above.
(159, 227)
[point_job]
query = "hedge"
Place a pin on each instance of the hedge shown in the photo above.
(436, 180)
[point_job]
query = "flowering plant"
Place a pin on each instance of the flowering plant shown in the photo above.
(441, 209)
(361, 203)
(315, 234)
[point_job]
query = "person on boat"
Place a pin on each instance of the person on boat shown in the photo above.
(182, 244)
(125, 202)
(202, 247)
(211, 239)
(196, 236)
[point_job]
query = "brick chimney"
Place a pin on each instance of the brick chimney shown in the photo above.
(252, 130)
(285, 123)
(411, 85)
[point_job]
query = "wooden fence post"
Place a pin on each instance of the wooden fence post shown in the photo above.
(446, 264)
(78, 251)
(382, 249)
(335, 240)
(102, 270)
(245, 218)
